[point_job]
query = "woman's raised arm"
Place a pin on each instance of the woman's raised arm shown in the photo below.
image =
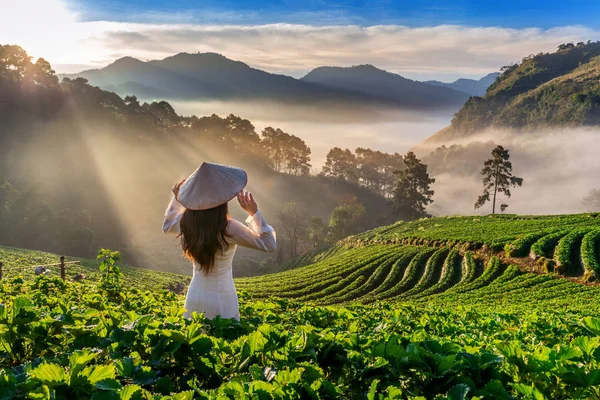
(258, 234)
(173, 212)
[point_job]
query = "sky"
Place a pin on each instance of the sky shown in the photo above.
(422, 40)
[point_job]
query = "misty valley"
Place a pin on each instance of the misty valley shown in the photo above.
(85, 168)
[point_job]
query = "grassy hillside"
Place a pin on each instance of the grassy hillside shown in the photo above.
(15, 259)
(548, 89)
(419, 260)
(452, 309)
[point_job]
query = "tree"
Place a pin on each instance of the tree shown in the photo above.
(497, 178)
(297, 156)
(273, 141)
(340, 164)
(592, 200)
(286, 153)
(317, 232)
(42, 74)
(293, 219)
(345, 218)
(412, 189)
(14, 63)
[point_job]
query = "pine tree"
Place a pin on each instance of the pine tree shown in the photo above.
(412, 189)
(497, 178)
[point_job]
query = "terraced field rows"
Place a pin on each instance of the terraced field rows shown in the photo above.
(440, 257)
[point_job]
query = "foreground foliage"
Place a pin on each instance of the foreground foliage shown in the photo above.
(69, 340)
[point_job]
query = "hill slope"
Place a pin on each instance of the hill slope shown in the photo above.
(417, 260)
(370, 80)
(557, 89)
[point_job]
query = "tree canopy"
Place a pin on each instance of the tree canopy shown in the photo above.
(412, 190)
(497, 178)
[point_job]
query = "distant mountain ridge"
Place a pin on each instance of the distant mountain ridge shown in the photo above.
(369, 80)
(474, 87)
(211, 76)
(548, 90)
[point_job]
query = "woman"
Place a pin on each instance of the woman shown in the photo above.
(198, 213)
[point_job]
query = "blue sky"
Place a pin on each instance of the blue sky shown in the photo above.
(506, 13)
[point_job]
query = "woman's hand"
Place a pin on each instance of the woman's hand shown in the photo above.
(176, 187)
(247, 202)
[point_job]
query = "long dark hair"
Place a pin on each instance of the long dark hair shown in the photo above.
(203, 235)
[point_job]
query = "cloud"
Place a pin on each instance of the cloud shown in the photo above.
(559, 167)
(296, 49)
(444, 51)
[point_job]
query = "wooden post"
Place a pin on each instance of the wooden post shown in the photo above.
(62, 267)
(1, 270)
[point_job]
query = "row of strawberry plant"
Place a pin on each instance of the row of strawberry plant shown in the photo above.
(328, 282)
(590, 254)
(544, 247)
(395, 275)
(414, 271)
(331, 293)
(492, 271)
(567, 251)
(374, 280)
(296, 279)
(495, 231)
(521, 247)
(433, 271)
(451, 275)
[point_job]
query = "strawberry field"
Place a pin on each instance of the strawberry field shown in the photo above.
(73, 340)
(424, 310)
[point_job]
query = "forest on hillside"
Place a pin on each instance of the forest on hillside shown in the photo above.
(557, 89)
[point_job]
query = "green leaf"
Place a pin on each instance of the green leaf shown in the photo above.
(567, 353)
(98, 373)
(458, 392)
(8, 385)
(373, 390)
(19, 304)
(131, 392)
(109, 384)
(587, 344)
(530, 392)
(49, 374)
(125, 367)
(592, 324)
(189, 395)
(78, 360)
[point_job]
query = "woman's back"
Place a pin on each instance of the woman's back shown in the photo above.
(212, 290)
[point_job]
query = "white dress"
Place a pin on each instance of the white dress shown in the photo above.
(214, 293)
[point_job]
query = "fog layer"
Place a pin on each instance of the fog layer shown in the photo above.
(559, 167)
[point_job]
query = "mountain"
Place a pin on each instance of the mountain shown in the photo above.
(372, 81)
(141, 91)
(474, 87)
(210, 76)
(556, 90)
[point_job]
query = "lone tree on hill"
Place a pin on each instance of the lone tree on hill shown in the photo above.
(412, 189)
(497, 178)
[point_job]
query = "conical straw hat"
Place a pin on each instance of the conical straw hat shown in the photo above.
(211, 185)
